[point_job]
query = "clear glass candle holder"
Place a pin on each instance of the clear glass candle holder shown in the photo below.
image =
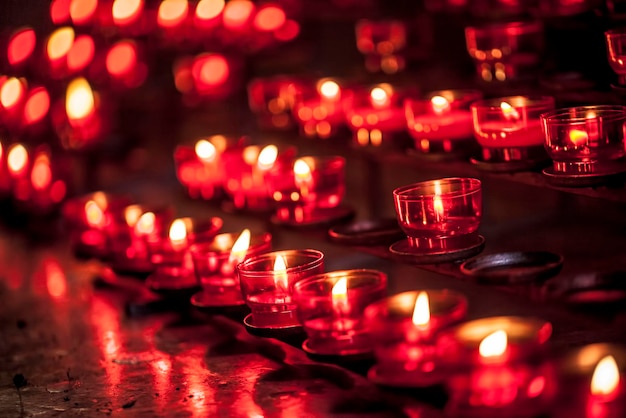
(439, 214)
(441, 121)
(330, 308)
(584, 139)
(505, 51)
(319, 112)
(267, 282)
(616, 52)
(509, 128)
(382, 43)
(313, 183)
(404, 328)
(215, 265)
(272, 99)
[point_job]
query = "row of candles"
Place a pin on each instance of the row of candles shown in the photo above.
(492, 366)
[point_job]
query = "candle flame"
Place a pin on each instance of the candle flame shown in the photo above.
(240, 247)
(605, 379)
(339, 292)
(79, 101)
(11, 92)
(280, 273)
(60, 42)
(37, 105)
(124, 11)
(205, 150)
(81, 11)
(178, 231)
(267, 157)
(172, 12)
(421, 312)
(493, 345)
(237, 13)
(132, 214)
(380, 96)
(17, 158)
(578, 137)
(591, 115)
(302, 171)
(121, 58)
(437, 202)
(41, 174)
(145, 224)
(94, 214)
(440, 104)
(329, 89)
(509, 111)
(209, 9)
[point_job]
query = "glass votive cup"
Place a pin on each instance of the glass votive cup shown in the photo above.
(439, 214)
(314, 182)
(441, 122)
(319, 112)
(330, 308)
(215, 265)
(382, 43)
(509, 128)
(505, 51)
(616, 52)
(267, 285)
(272, 99)
(584, 139)
(404, 327)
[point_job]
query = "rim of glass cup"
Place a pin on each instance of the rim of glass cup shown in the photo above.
(411, 192)
(382, 309)
(529, 102)
(579, 114)
(202, 248)
(248, 265)
(311, 283)
(615, 33)
(509, 28)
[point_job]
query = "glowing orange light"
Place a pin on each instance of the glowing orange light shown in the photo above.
(339, 294)
(329, 89)
(269, 18)
(59, 43)
(380, 96)
(205, 150)
(81, 53)
(178, 233)
(280, 273)
(578, 137)
(172, 13)
(79, 100)
(509, 111)
(209, 9)
(60, 11)
(21, 45)
(132, 214)
(237, 13)
(210, 69)
(605, 379)
(37, 105)
(290, 30)
(121, 59)
(493, 345)
(126, 11)
(240, 247)
(439, 104)
(41, 174)
(94, 214)
(421, 312)
(56, 282)
(145, 224)
(302, 172)
(267, 157)
(437, 202)
(81, 11)
(11, 92)
(17, 159)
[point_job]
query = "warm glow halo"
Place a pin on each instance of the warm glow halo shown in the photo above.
(421, 311)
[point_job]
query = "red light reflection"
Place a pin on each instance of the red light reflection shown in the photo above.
(105, 320)
(56, 282)
(81, 53)
(60, 11)
(269, 18)
(21, 45)
(290, 30)
(37, 105)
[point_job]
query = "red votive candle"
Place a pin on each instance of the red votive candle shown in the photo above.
(616, 51)
(330, 308)
(404, 329)
(272, 99)
(321, 113)
(215, 265)
(313, 183)
(382, 43)
(509, 129)
(585, 139)
(591, 382)
(439, 214)
(442, 122)
(267, 281)
(498, 367)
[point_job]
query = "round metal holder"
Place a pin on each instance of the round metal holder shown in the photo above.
(406, 380)
(595, 289)
(406, 252)
(209, 303)
(611, 174)
(291, 333)
(367, 232)
(513, 267)
(318, 217)
(172, 286)
(509, 166)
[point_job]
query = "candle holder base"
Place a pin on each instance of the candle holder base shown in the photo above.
(598, 291)
(211, 302)
(510, 166)
(315, 217)
(137, 268)
(165, 284)
(415, 379)
(367, 232)
(609, 174)
(440, 155)
(406, 251)
(338, 353)
(513, 267)
(291, 333)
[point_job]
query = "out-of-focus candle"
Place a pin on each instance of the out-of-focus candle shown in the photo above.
(321, 114)
(330, 308)
(272, 100)
(44, 189)
(382, 43)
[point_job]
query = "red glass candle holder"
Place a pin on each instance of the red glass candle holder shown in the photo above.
(591, 382)
(215, 265)
(382, 43)
(439, 214)
(404, 329)
(509, 129)
(272, 99)
(498, 367)
(505, 51)
(309, 189)
(441, 122)
(616, 52)
(330, 308)
(267, 281)
(320, 112)
(585, 139)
